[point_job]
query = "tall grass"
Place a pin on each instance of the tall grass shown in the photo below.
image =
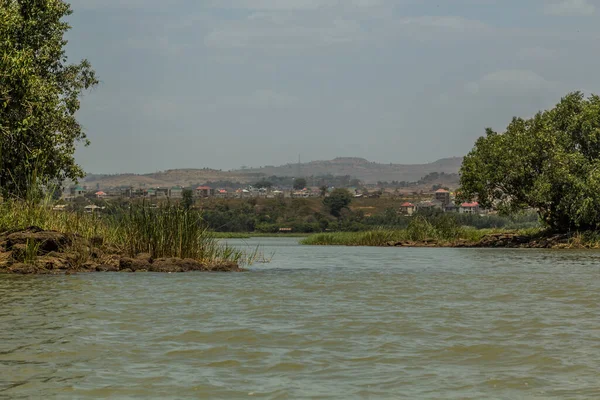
(443, 231)
(169, 231)
(166, 231)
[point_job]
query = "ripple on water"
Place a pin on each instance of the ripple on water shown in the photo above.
(318, 322)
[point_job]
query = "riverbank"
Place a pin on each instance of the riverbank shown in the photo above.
(467, 238)
(37, 251)
(239, 235)
(34, 239)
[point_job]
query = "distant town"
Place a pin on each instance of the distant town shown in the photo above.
(441, 199)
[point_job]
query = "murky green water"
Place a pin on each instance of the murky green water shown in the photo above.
(318, 322)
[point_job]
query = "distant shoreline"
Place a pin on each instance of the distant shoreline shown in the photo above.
(535, 240)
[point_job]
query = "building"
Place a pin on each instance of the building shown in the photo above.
(221, 193)
(204, 191)
(162, 193)
(469, 208)
(92, 208)
(407, 208)
(443, 196)
(77, 191)
(451, 207)
(429, 205)
(100, 194)
(176, 192)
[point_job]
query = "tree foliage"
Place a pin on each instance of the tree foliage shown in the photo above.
(299, 183)
(338, 200)
(187, 199)
(39, 95)
(550, 162)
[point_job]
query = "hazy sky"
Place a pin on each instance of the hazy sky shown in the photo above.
(226, 83)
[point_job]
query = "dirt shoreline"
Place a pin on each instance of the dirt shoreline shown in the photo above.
(37, 251)
(500, 240)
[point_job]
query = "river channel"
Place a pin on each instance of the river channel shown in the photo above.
(316, 322)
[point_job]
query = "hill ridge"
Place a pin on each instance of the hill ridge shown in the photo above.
(355, 167)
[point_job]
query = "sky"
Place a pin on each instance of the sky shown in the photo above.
(230, 83)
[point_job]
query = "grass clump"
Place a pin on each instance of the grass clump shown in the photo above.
(168, 231)
(443, 231)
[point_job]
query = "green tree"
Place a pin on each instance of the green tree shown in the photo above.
(299, 183)
(550, 162)
(39, 96)
(338, 200)
(187, 200)
(263, 184)
(323, 190)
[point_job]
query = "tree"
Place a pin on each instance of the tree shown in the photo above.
(338, 200)
(550, 163)
(39, 96)
(323, 190)
(263, 184)
(187, 200)
(299, 183)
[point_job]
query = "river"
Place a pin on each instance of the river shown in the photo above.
(316, 322)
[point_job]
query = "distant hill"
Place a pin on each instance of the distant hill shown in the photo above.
(364, 170)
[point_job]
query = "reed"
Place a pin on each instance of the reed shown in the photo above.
(166, 231)
(420, 230)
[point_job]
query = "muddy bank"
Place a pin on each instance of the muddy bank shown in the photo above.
(501, 240)
(36, 251)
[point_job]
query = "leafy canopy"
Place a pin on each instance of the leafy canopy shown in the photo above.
(550, 163)
(299, 183)
(337, 200)
(39, 95)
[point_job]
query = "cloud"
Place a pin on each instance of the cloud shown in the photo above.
(438, 27)
(259, 99)
(537, 53)
(570, 8)
(446, 23)
(283, 31)
(124, 4)
(510, 82)
(287, 5)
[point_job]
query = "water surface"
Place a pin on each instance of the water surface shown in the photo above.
(317, 322)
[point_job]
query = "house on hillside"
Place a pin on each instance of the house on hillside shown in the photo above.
(162, 193)
(407, 208)
(204, 191)
(221, 193)
(469, 208)
(100, 194)
(443, 196)
(77, 191)
(429, 205)
(92, 208)
(451, 207)
(176, 192)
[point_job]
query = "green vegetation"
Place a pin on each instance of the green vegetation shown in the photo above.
(549, 163)
(299, 183)
(187, 200)
(31, 251)
(39, 96)
(267, 216)
(339, 199)
(167, 231)
(443, 230)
